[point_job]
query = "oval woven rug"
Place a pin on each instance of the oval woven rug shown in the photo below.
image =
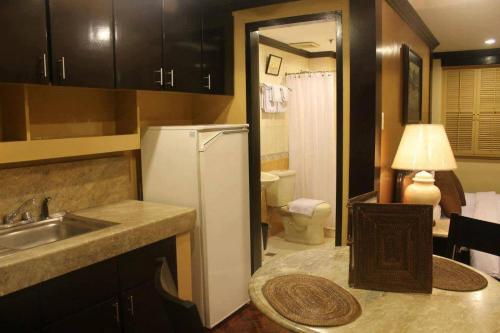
(451, 276)
(311, 300)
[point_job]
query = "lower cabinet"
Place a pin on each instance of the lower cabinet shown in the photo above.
(143, 310)
(101, 318)
(116, 295)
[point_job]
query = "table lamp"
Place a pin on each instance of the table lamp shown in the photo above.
(424, 148)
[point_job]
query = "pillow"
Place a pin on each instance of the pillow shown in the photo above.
(450, 197)
(459, 187)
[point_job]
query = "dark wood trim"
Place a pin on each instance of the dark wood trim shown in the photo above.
(282, 46)
(340, 131)
(323, 54)
(290, 49)
(365, 96)
(469, 58)
(245, 4)
(253, 118)
(411, 17)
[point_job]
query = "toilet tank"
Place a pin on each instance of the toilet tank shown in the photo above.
(281, 192)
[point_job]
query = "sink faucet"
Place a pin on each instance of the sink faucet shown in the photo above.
(23, 210)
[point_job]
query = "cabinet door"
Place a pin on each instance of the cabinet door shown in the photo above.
(20, 312)
(217, 49)
(24, 56)
(143, 310)
(101, 318)
(60, 297)
(138, 44)
(182, 45)
(82, 42)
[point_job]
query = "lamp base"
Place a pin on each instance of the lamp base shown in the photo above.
(422, 191)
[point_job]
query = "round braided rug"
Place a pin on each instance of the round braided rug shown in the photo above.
(448, 275)
(311, 300)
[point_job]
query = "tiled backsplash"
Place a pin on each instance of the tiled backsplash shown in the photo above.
(72, 185)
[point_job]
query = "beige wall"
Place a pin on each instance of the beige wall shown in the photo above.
(234, 111)
(274, 126)
(322, 64)
(475, 174)
(395, 32)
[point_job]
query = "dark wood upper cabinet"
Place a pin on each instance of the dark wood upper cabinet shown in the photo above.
(217, 48)
(182, 45)
(82, 42)
(24, 55)
(138, 44)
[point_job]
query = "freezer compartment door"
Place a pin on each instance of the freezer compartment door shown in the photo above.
(225, 222)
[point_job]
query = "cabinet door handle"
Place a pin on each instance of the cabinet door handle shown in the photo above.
(209, 82)
(44, 65)
(117, 312)
(131, 307)
(171, 82)
(161, 76)
(63, 68)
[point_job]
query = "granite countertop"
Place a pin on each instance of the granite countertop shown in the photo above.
(441, 311)
(137, 224)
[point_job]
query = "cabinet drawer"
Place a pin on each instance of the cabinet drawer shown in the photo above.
(139, 266)
(78, 290)
(20, 312)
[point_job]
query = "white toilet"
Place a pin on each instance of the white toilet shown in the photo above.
(298, 228)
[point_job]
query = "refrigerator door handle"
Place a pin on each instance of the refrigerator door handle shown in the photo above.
(204, 145)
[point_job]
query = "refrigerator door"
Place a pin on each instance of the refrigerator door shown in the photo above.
(225, 221)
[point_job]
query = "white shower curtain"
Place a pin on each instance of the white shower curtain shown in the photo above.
(312, 136)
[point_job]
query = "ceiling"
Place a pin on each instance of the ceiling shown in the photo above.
(461, 24)
(319, 32)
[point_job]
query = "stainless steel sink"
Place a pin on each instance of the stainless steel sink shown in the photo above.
(44, 232)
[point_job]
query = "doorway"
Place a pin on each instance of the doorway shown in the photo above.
(310, 75)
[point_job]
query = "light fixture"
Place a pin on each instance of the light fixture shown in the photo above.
(490, 41)
(424, 147)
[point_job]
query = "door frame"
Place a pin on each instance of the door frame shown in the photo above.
(253, 118)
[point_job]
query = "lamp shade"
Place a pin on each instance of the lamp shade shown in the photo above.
(424, 147)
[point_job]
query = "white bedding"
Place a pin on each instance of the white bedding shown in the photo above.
(484, 206)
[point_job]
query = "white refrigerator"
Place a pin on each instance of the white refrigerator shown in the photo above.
(206, 167)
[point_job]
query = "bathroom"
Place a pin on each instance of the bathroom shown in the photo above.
(298, 146)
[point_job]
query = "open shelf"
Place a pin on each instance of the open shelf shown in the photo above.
(22, 151)
(47, 122)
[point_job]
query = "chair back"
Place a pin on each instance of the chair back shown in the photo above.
(183, 315)
(473, 234)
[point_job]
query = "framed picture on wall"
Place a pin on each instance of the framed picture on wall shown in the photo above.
(273, 65)
(412, 86)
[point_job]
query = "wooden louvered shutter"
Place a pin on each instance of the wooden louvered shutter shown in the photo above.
(488, 119)
(459, 102)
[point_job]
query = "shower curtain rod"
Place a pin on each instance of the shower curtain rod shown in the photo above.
(309, 72)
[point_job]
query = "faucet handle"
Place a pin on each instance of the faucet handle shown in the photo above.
(26, 216)
(45, 208)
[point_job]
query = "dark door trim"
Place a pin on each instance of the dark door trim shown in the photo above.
(253, 117)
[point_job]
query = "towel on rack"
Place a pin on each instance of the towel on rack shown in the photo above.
(284, 94)
(266, 102)
(304, 206)
(276, 93)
